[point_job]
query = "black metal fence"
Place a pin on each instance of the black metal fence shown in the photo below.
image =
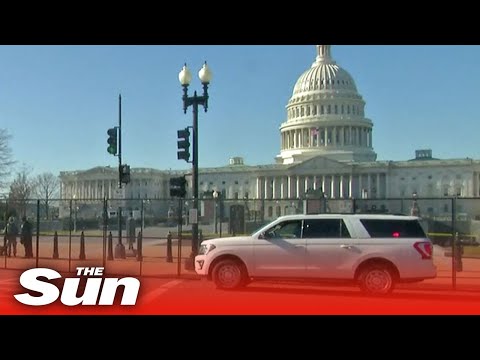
(86, 232)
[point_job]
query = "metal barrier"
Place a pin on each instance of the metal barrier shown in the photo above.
(85, 232)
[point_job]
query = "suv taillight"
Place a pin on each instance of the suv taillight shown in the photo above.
(425, 249)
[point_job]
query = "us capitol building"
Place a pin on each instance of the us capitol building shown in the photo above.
(326, 145)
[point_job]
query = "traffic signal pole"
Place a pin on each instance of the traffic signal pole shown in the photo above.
(120, 248)
(191, 260)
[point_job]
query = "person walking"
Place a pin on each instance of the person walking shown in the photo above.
(11, 231)
(26, 237)
(131, 231)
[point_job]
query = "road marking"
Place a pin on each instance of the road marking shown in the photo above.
(152, 295)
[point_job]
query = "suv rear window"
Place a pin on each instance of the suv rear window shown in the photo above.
(393, 228)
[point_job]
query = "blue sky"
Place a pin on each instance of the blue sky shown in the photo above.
(58, 101)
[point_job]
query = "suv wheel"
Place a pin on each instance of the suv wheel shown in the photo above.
(229, 275)
(376, 280)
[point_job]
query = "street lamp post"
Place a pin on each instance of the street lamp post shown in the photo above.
(215, 210)
(415, 211)
(185, 78)
(75, 210)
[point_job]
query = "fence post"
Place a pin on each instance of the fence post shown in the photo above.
(458, 253)
(454, 264)
(82, 246)
(110, 246)
(169, 247)
(139, 246)
(55, 245)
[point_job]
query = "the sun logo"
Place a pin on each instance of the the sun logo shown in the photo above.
(94, 293)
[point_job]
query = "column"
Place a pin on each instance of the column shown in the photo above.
(297, 187)
(289, 187)
(274, 184)
(265, 188)
(369, 182)
(282, 187)
(387, 187)
(341, 195)
(360, 186)
(259, 188)
(332, 187)
(350, 186)
(378, 185)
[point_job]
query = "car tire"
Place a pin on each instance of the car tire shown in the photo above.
(229, 275)
(376, 280)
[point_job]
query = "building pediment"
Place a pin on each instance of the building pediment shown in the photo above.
(320, 164)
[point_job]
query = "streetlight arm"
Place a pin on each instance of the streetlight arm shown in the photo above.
(195, 99)
(205, 96)
(186, 100)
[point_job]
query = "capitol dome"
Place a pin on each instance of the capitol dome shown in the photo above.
(325, 116)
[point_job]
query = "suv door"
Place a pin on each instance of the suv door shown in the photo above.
(331, 253)
(280, 251)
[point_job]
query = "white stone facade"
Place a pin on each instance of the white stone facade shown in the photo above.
(326, 142)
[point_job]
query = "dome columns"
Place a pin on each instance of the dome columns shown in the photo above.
(313, 137)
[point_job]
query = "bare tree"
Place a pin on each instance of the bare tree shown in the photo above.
(21, 191)
(6, 160)
(46, 187)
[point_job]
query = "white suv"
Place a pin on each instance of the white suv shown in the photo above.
(373, 251)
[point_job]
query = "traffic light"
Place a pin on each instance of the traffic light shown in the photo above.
(112, 141)
(125, 174)
(183, 144)
(178, 187)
